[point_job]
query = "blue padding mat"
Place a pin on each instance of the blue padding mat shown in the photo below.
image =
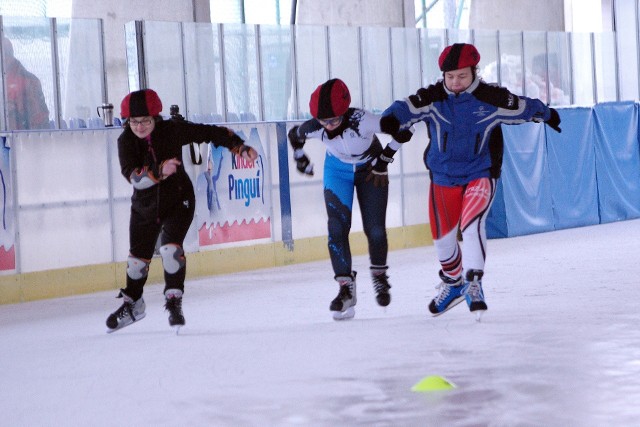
(617, 160)
(525, 179)
(572, 169)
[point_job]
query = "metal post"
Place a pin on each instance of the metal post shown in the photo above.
(360, 61)
(572, 85)
(594, 77)
(5, 115)
(546, 60)
(523, 64)
(498, 59)
(616, 62)
(185, 97)
(103, 62)
(258, 43)
(637, 22)
(327, 41)
(295, 88)
(142, 69)
(243, 15)
(421, 56)
(223, 72)
(56, 71)
(390, 37)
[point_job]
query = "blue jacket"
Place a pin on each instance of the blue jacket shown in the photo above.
(464, 129)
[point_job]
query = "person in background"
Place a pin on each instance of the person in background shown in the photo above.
(354, 159)
(463, 115)
(163, 201)
(25, 102)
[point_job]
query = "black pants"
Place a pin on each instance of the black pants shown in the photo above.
(146, 224)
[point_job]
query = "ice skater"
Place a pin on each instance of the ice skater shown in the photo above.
(354, 159)
(163, 201)
(463, 115)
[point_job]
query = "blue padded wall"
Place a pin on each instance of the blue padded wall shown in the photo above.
(617, 161)
(586, 175)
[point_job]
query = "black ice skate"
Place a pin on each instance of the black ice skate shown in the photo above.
(173, 304)
(343, 305)
(381, 285)
(129, 312)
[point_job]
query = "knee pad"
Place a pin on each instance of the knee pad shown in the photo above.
(137, 268)
(172, 258)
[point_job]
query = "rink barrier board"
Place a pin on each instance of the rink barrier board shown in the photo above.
(17, 288)
(537, 193)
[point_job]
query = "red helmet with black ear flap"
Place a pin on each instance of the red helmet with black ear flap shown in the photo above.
(141, 103)
(330, 99)
(457, 56)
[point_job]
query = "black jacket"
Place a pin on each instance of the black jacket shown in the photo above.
(165, 143)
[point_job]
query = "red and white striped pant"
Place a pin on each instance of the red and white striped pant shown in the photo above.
(465, 207)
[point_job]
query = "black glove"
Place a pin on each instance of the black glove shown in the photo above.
(390, 124)
(429, 95)
(302, 162)
(378, 169)
(554, 120)
(295, 140)
(403, 136)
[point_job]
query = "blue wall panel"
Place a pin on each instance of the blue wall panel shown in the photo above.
(526, 181)
(572, 170)
(617, 160)
(588, 174)
(497, 218)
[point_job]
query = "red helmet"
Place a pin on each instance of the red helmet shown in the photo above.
(330, 99)
(145, 102)
(457, 56)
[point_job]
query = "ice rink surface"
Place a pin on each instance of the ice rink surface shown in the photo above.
(559, 346)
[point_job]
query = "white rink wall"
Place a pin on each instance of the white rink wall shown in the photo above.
(68, 205)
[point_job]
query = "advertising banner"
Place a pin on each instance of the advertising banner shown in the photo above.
(232, 196)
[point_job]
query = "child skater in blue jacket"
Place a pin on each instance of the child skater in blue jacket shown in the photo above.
(463, 115)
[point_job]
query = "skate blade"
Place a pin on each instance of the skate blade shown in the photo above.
(140, 317)
(344, 315)
(479, 314)
(453, 304)
(177, 329)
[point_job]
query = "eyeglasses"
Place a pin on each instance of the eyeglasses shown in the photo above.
(333, 121)
(143, 122)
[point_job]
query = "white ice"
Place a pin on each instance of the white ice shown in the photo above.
(559, 346)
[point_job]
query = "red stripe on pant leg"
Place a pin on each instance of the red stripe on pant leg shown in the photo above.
(445, 206)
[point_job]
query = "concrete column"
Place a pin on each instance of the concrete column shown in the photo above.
(115, 14)
(517, 15)
(357, 13)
